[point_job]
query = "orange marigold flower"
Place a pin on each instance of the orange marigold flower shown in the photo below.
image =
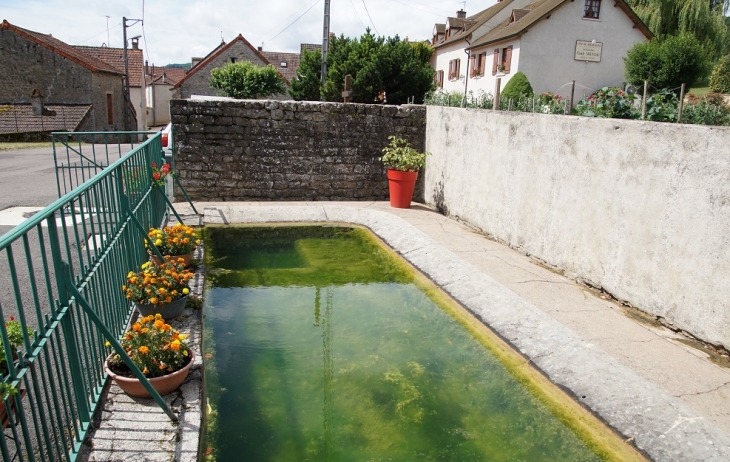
(145, 330)
(166, 327)
(175, 345)
(159, 323)
(153, 301)
(144, 350)
(136, 327)
(146, 371)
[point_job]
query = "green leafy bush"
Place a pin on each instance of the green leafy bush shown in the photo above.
(667, 62)
(662, 106)
(245, 80)
(720, 78)
(518, 87)
(399, 155)
(608, 102)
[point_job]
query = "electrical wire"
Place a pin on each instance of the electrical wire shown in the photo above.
(432, 7)
(284, 21)
(358, 15)
(371, 19)
(146, 51)
(292, 23)
(103, 32)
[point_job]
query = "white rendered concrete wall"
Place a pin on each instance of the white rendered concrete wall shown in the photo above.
(641, 209)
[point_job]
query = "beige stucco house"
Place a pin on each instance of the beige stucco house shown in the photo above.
(551, 41)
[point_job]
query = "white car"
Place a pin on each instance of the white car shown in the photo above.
(167, 142)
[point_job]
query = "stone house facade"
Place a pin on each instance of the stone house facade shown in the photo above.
(197, 80)
(551, 41)
(61, 75)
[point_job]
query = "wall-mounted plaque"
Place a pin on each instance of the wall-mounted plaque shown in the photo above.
(588, 51)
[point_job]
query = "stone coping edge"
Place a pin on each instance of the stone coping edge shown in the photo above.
(659, 425)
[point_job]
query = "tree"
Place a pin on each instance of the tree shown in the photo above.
(667, 62)
(306, 84)
(720, 78)
(518, 87)
(702, 18)
(245, 80)
(381, 68)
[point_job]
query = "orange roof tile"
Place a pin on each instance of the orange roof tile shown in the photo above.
(115, 57)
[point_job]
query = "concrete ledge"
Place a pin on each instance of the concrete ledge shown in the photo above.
(659, 424)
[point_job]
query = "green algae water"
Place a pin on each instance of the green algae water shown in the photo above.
(319, 346)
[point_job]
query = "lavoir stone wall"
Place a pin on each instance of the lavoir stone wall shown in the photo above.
(286, 150)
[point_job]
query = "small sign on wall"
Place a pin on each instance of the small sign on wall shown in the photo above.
(588, 51)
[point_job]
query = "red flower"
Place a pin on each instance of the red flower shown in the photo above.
(165, 168)
(156, 176)
(154, 165)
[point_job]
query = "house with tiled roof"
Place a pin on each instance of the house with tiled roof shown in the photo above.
(159, 81)
(286, 63)
(115, 57)
(79, 92)
(197, 80)
(553, 42)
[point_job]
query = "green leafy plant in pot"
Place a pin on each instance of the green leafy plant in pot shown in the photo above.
(403, 163)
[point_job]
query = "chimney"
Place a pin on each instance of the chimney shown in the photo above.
(461, 14)
(195, 61)
(135, 43)
(261, 48)
(146, 67)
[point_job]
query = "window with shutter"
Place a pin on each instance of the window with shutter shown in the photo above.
(482, 62)
(495, 63)
(109, 109)
(507, 59)
(472, 66)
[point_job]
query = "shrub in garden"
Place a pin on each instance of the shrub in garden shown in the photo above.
(243, 79)
(667, 62)
(720, 78)
(517, 88)
(662, 106)
(608, 102)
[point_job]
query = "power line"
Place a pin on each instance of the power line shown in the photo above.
(144, 37)
(419, 8)
(358, 15)
(432, 7)
(102, 32)
(371, 19)
(283, 21)
(300, 16)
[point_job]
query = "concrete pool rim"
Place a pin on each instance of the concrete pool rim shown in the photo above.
(658, 424)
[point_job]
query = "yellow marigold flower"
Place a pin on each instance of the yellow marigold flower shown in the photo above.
(175, 240)
(190, 231)
(144, 350)
(153, 301)
(158, 316)
(182, 336)
(124, 288)
(197, 241)
(181, 260)
(162, 290)
(186, 291)
(145, 330)
(175, 345)
(107, 344)
(185, 352)
(146, 264)
(158, 242)
(136, 327)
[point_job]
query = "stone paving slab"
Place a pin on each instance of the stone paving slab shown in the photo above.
(664, 427)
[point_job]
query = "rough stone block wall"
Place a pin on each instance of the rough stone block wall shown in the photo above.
(26, 66)
(274, 150)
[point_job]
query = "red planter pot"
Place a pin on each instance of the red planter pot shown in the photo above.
(401, 185)
(163, 385)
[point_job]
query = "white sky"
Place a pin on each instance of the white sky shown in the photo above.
(176, 30)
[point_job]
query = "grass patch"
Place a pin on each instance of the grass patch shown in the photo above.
(21, 145)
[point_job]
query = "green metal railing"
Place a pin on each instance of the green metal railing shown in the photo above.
(61, 277)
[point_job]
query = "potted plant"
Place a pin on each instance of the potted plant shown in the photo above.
(403, 163)
(159, 174)
(178, 241)
(158, 350)
(159, 288)
(15, 337)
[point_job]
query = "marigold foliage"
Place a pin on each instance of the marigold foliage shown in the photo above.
(154, 346)
(174, 240)
(158, 284)
(399, 155)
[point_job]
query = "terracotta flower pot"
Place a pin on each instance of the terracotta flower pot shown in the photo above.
(168, 311)
(401, 185)
(163, 385)
(188, 257)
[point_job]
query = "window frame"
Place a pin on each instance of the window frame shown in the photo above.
(109, 109)
(592, 9)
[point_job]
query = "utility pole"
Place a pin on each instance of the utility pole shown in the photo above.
(126, 71)
(325, 39)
